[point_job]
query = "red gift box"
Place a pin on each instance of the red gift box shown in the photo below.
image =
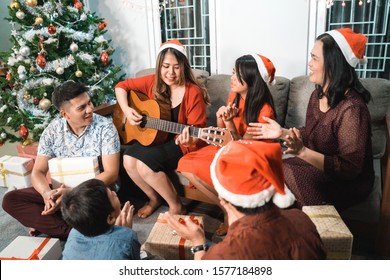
(30, 151)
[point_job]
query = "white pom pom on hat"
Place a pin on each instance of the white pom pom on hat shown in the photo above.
(266, 68)
(250, 173)
(175, 44)
(352, 45)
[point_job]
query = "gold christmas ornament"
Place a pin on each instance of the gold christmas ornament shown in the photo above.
(14, 5)
(33, 69)
(78, 74)
(44, 104)
(31, 3)
(38, 20)
(26, 96)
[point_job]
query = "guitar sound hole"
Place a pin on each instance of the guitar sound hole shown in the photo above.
(143, 121)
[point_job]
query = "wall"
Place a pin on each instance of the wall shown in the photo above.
(277, 29)
(5, 27)
(130, 25)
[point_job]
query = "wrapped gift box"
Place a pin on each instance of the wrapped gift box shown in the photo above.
(30, 151)
(32, 248)
(15, 172)
(163, 243)
(27, 150)
(335, 235)
(72, 171)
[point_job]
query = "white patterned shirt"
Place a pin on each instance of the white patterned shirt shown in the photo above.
(98, 138)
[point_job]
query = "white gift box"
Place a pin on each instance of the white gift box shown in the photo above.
(15, 172)
(32, 248)
(72, 171)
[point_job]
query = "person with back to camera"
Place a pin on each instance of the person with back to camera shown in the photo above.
(173, 86)
(333, 161)
(248, 176)
(250, 100)
(100, 229)
(79, 133)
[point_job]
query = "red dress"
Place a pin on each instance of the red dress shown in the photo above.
(198, 162)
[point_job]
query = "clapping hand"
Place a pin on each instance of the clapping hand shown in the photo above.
(269, 130)
(293, 142)
(227, 113)
(125, 218)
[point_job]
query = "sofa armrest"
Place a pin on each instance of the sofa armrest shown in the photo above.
(383, 245)
(105, 109)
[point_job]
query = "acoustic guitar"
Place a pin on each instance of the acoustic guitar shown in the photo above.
(154, 127)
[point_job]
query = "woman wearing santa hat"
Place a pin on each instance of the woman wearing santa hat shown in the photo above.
(333, 155)
(250, 100)
(248, 177)
(175, 88)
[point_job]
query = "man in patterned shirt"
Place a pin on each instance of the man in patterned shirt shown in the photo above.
(79, 133)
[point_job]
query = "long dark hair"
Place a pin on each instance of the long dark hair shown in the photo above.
(258, 92)
(339, 75)
(161, 90)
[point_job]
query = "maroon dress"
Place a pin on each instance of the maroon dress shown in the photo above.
(343, 135)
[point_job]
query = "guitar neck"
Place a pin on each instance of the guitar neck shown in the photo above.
(171, 127)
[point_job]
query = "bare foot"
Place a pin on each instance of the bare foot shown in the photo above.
(33, 232)
(222, 229)
(178, 211)
(148, 209)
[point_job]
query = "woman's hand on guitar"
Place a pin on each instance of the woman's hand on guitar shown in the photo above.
(133, 117)
(184, 138)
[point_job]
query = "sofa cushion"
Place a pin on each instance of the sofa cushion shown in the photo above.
(378, 107)
(280, 91)
(300, 91)
(218, 87)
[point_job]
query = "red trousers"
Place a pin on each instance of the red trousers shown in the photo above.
(26, 206)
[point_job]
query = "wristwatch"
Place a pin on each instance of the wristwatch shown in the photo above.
(198, 248)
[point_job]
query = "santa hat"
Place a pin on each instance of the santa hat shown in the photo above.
(250, 173)
(266, 68)
(175, 44)
(351, 44)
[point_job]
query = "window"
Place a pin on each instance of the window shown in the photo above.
(370, 17)
(188, 21)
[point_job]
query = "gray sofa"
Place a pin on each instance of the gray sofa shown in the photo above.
(371, 218)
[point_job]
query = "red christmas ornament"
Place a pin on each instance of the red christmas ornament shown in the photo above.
(36, 101)
(23, 131)
(78, 4)
(41, 61)
(104, 58)
(102, 25)
(8, 76)
(51, 29)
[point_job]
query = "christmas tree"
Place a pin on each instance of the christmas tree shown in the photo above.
(53, 41)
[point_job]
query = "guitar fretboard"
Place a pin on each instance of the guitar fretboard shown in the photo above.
(168, 126)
